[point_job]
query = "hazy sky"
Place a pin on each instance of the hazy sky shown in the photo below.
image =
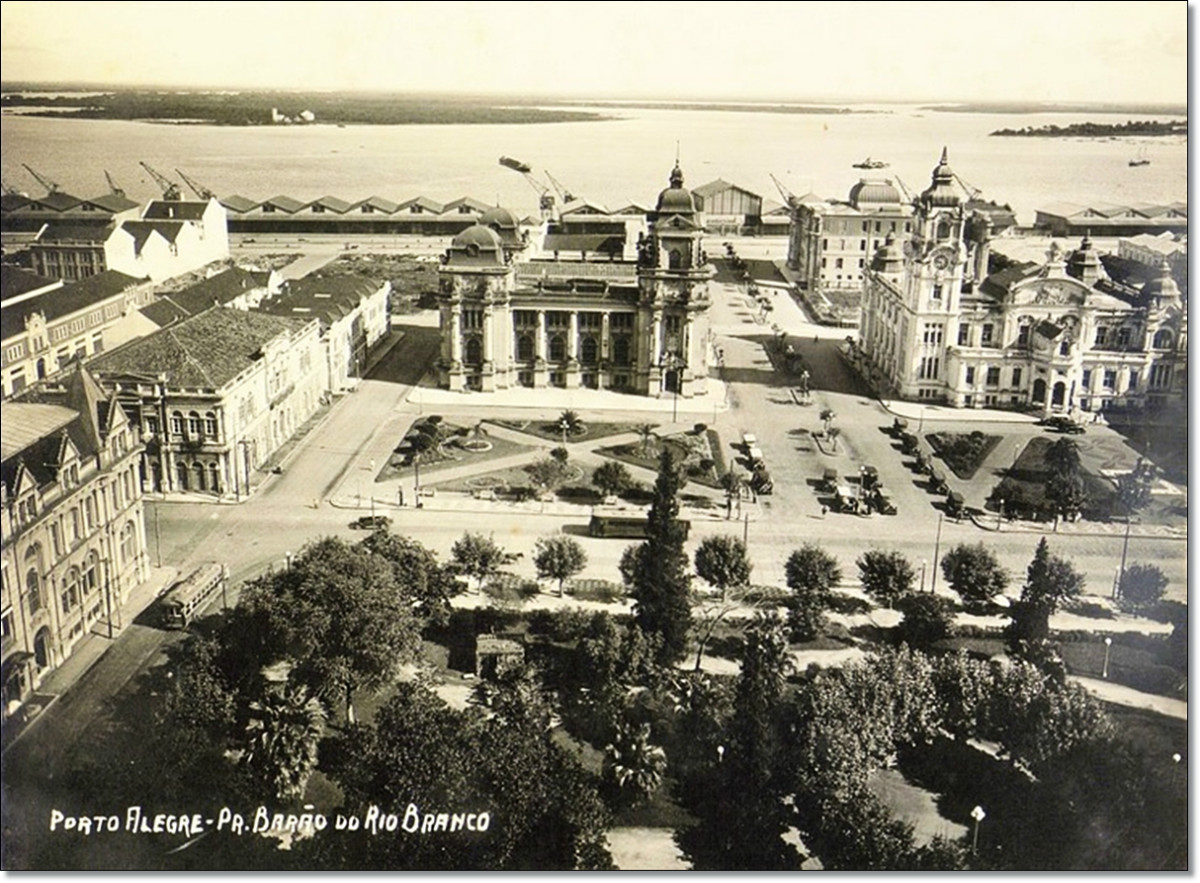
(1052, 51)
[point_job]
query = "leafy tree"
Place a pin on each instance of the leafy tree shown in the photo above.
(885, 576)
(657, 573)
(479, 557)
(559, 557)
(646, 438)
(832, 433)
(927, 619)
(633, 765)
(1062, 457)
(1134, 488)
(827, 418)
(547, 474)
(811, 574)
(612, 478)
(738, 800)
(974, 572)
(338, 615)
(721, 562)
(560, 454)
(732, 482)
(1065, 488)
(1142, 586)
(545, 811)
(1050, 582)
(282, 735)
(418, 575)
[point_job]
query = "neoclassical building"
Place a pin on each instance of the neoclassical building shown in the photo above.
(642, 326)
(74, 543)
(1060, 336)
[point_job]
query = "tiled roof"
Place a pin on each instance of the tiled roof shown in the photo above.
(284, 203)
(331, 203)
(379, 204)
(583, 206)
(13, 201)
(63, 231)
(327, 297)
(205, 351)
(164, 312)
(141, 230)
(237, 203)
(56, 201)
(66, 300)
(15, 281)
(22, 424)
(174, 210)
(112, 202)
(424, 202)
(220, 290)
(467, 202)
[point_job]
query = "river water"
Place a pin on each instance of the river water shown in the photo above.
(613, 162)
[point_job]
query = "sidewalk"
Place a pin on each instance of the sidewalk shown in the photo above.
(1131, 698)
(87, 653)
(712, 402)
(1079, 528)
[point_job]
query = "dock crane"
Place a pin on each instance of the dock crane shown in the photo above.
(563, 193)
(112, 185)
(789, 198)
(51, 186)
(545, 197)
(972, 192)
(170, 190)
(200, 190)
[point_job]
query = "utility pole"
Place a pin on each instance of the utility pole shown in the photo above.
(936, 546)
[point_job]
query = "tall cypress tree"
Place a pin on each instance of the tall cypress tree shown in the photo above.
(658, 573)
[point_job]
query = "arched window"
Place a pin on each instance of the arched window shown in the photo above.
(1163, 339)
(474, 351)
(33, 584)
(621, 350)
(674, 259)
(181, 472)
(176, 423)
(200, 484)
(558, 348)
(128, 542)
(193, 424)
(214, 478)
(70, 592)
(210, 425)
(589, 351)
(41, 368)
(91, 574)
(525, 348)
(943, 229)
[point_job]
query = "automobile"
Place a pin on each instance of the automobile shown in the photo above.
(869, 476)
(908, 442)
(761, 482)
(371, 522)
(899, 426)
(830, 478)
(1065, 425)
(955, 504)
(883, 503)
(937, 481)
(847, 499)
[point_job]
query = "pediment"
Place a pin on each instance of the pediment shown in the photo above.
(1050, 292)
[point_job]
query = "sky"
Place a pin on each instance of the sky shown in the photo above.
(921, 51)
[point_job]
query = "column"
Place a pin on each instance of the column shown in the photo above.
(456, 333)
(605, 346)
(541, 335)
(487, 334)
(573, 338)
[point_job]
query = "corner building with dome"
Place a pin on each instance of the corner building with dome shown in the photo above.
(1058, 337)
(512, 317)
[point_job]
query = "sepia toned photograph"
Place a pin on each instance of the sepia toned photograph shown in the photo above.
(555, 436)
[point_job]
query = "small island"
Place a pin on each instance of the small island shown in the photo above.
(1141, 128)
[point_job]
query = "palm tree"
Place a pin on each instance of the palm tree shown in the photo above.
(570, 423)
(284, 729)
(827, 418)
(634, 764)
(733, 484)
(646, 438)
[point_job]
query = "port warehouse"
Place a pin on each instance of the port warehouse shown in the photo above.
(734, 210)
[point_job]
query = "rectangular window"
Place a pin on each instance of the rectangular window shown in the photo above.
(1101, 336)
(1016, 376)
(970, 378)
(838, 263)
(472, 320)
(621, 321)
(1122, 337)
(1110, 379)
(1023, 336)
(1133, 380)
(993, 376)
(589, 320)
(936, 294)
(525, 318)
(985, 334)
(964, 335)
(932, 334)
(558, 319)
(1087, 378)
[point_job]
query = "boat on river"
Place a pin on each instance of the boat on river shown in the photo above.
(869, 163)
(515, 164)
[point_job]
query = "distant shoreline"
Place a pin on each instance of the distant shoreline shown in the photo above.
(1129, 129)
(1018, 107)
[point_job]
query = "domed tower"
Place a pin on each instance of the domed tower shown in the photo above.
(475, 282)
(1084, 264)
(937, 249)
(1162, 291)
(505, 225)
(673, 276)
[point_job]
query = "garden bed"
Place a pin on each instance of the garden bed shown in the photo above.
(550, 431)
(449, 454)
(963, 453)
(1024, 488)
(694, 449)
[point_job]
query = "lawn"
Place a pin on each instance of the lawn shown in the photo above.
(550, 430)
(450, 454)
(695, 449)
(1025, 486)
(963, 453)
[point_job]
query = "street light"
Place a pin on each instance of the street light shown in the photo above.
(937, 543)
(1107, 648)
(978, 815)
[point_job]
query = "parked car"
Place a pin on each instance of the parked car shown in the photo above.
(830, 479)
(869, 476)
(899, 426)
(883, 503)
(761, 482)
(371, 522)
(955, 504)
(937, 481)
(1065, 425)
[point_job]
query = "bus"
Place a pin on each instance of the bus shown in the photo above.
(184, 600)
(629, 527)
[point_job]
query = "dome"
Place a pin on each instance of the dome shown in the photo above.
(942, 191)
(476, 246)
(676, 199)
(874, 192)
(1162, 288)
(499, 217)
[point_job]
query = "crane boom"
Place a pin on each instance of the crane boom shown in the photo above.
(51, 186)
(973, 192)
(545, 197)
(563, 193)
(200, 190)
(788, 196)
(112, 185)
(170, 190)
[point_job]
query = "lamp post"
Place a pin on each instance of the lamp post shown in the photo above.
(1107, 648)
(978, 815)
(937, 543)
(1124, 555)
(924, 562)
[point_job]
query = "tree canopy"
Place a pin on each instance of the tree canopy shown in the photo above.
(558, 558)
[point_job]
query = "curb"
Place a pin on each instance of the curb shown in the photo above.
(1021, 527)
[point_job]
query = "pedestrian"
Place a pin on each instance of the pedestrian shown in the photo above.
(400, 497)
(824, 509)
